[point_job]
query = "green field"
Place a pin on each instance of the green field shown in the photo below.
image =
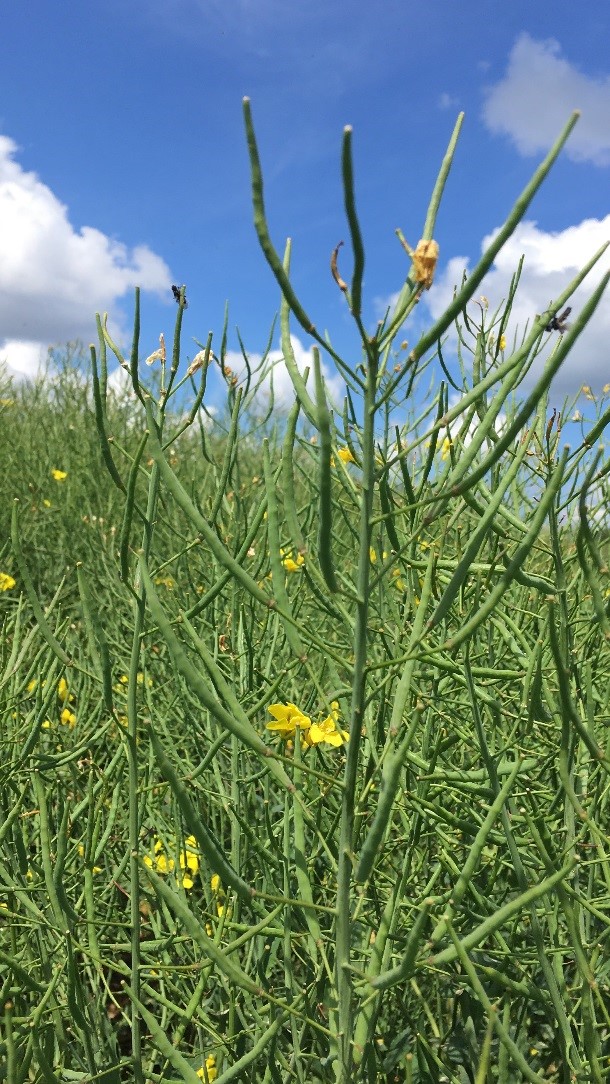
(305, 715)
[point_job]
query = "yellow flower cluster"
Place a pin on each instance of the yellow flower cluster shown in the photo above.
(165, 581)
(289, 563)
(446, 449)
(162, 860)
(123, 682)
(67, 717)
(211, 1072)
(287, 719)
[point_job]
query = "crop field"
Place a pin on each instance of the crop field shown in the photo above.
(305, 714)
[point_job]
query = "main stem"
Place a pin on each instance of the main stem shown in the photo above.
(345, 1008)
(134, 794)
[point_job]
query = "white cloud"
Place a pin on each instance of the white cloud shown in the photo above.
(22, 358)
(448, 101)
(539, 91)
(551, 261)
(275, 369)
(53, 277)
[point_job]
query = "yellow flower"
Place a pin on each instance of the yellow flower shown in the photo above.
(68, 717)
(189, 861)
(398, 583)
(59, 475)
(164, 581)
(445, 446)
(63, 691)
(289, 564)
(502, 343)
(215, 883)
(345, 455)
(210, 1072)
(287, 718)
(372, 555)
(46, 503)
(327, 730)
(6, 582)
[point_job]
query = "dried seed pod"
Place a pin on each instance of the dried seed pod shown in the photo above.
(335, 270)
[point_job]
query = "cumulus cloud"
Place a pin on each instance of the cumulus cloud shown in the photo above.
(537, 94)
(275, 370)
(551, 261)
(54, 277)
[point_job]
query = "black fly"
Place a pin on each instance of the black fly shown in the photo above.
(558, 322)
(176, 293)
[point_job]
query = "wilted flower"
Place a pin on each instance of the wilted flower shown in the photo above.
(424, 259)
(198, 361)
(160, 354)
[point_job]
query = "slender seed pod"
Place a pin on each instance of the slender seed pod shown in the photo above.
(130, 506)
(100, 418)
(325, 480)
(135, 346)
(354, 227)
(406, 967)
(41, 620)
(97, 638)
(290, 508)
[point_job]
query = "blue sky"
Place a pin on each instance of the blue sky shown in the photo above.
(123, 160)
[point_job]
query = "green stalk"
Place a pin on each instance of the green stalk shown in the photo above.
(343, 934)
